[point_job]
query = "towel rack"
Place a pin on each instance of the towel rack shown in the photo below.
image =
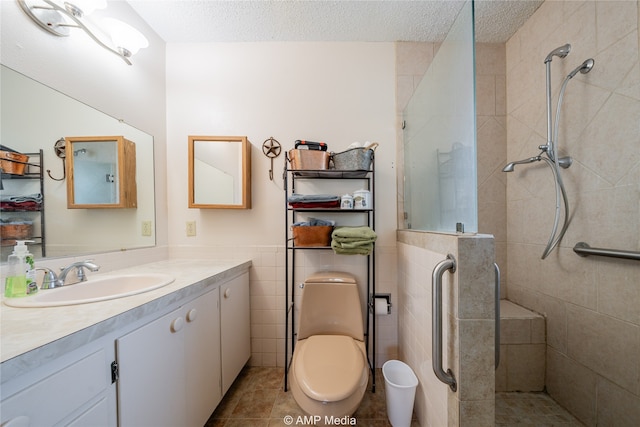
(583, 249)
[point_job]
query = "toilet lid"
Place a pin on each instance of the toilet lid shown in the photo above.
(329, 368)
(330, 277)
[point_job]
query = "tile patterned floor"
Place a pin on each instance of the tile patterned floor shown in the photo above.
(531, 410)
(257, 399)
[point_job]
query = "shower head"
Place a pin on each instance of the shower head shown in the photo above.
(561, 52)
(584, 68)
(511, 166)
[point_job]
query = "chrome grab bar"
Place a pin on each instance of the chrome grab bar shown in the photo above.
(497, 303)
(436, 332)
(583, 249)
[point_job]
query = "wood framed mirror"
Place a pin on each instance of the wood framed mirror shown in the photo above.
(101, 172)
(219, 172)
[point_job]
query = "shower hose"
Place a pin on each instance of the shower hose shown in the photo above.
(561, 193)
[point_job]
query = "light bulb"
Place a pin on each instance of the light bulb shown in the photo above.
(127, 40)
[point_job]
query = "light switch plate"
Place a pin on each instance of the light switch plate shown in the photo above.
(146, 228)
(191, 228)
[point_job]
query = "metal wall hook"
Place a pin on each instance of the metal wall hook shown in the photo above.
(60, 149)
(271, 148)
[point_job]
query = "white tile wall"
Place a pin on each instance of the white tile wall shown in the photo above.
(591, 304)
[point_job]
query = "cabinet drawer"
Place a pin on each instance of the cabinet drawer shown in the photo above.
(58, 395)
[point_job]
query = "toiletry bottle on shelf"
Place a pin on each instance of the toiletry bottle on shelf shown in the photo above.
(362, 199)
(16, 279)
(346, 202)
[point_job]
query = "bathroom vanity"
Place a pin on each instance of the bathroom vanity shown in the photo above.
(163, 358)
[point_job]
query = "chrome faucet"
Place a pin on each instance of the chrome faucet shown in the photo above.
(50, 280)
(78, 269)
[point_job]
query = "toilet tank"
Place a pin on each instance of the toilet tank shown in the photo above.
(331, 306)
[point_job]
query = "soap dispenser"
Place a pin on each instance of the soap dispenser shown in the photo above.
(16, 281)
(20, 280)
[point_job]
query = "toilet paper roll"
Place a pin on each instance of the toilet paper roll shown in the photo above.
(381, 307)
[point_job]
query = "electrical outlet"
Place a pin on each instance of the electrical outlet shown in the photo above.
(146, 228)
(191, 228)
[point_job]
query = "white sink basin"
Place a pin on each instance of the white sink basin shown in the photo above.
(93, 290)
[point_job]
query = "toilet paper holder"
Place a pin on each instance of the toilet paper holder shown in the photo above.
(372, 303)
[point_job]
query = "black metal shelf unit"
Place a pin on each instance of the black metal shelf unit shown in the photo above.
(34, 170)
(290, 177)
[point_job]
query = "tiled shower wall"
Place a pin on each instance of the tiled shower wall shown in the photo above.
(491, 140)
(592, 305)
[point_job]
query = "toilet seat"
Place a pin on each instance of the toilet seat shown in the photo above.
(329, 368)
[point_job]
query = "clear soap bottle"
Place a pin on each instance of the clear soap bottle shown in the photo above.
(21, 277)
(16, 281)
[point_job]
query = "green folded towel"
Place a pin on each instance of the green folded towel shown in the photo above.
(350, 234)
(353, 240)
(359, 250)
(352, 245)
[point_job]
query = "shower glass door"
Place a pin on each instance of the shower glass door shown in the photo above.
(440, 137)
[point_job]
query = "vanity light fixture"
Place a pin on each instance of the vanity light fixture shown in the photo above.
(58, 17)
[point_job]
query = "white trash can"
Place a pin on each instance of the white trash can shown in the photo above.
(400, 388)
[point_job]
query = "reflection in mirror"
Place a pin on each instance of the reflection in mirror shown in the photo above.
(219, 172)
(34, 117)
(102, 172)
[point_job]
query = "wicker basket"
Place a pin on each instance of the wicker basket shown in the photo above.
(16, 230)
(13, 163)
(312, 235)
(354, 159)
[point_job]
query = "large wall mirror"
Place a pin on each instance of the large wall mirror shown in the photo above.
(34, 117)
(219, 172)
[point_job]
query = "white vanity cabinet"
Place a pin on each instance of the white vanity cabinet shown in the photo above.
(170, 367)
(165, 362)
(175, 370)
(235, 328)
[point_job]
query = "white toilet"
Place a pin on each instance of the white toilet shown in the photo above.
(329, 370)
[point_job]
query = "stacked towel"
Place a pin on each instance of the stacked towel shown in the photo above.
(314, 222)
(313, 201)
(353, 240)
(31, 202)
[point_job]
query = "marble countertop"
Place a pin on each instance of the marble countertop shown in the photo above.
(44, 333)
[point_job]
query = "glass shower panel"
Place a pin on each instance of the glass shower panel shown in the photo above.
(440, 137)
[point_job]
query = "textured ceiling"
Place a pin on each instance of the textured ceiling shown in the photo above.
(193, 21)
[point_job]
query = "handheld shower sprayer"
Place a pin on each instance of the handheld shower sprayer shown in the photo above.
(584, 68)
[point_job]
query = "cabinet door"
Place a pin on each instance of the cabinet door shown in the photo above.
(80, 389)
(151, 387)
(202, 353)
(235, 328)
(94, 416)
